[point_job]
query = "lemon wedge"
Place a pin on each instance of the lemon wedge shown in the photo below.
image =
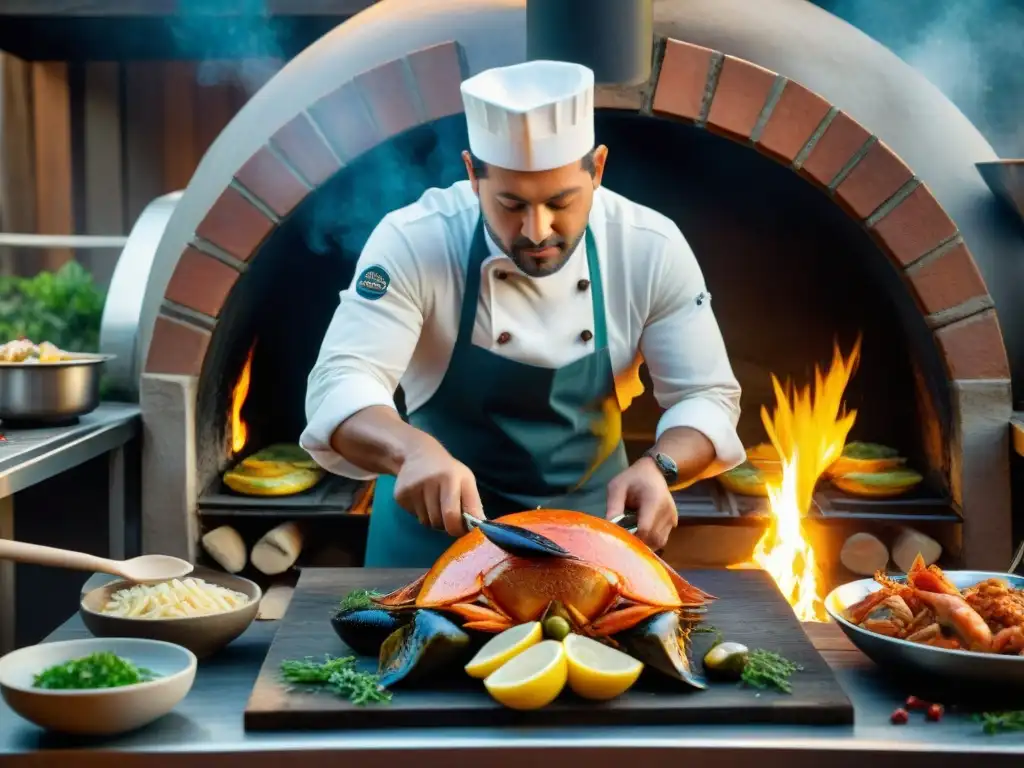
(531, 680)
(503, 647)
(597, 671)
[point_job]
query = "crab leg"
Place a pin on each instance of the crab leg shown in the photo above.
(403, 596)
(481, 617)
(622, 618)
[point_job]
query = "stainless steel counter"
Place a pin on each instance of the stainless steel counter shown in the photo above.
(32, 456)
(206, 730)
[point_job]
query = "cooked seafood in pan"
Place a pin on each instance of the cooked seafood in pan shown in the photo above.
(927, 608)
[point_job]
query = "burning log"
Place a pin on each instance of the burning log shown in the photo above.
(226, 547)
(863, 554)
(278, 550)
(909, 543)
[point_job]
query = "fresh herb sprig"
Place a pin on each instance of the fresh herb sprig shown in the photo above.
(337, 675)
(97, 670)
(359, 598)
(998, 722)
(767, 669)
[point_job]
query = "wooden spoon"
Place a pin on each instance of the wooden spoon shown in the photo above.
(141, 570)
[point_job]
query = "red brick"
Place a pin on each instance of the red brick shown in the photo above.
(742, 91)
(841, 140)
(438, 72)
(345, 120)
(876, 178)
(177, 348)
(235, 224)
(200, 282)
(682, 80)
(392, 102)
(797, 114)
(272, 182)
(973, 348)
(298, 141)
(915, 227)
(947, 281)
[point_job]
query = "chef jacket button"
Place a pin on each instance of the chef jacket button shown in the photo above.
(586, 335)
(504, 337)
(583, 284)
(502, 275)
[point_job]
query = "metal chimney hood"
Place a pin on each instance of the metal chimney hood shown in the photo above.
(615, 38)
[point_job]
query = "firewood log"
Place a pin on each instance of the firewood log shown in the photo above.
(909, 543)
(278, 550)
(864, 554)
(225, 545)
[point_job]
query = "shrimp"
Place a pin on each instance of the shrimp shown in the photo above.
(953, 613)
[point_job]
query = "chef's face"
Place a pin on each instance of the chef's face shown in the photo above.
(538, 218)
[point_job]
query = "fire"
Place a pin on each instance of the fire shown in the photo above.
(239, 429)
(809, 430)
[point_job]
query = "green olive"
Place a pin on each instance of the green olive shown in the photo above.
(556, 627)
(726, 660)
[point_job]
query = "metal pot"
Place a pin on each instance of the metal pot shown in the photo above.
(51, 391)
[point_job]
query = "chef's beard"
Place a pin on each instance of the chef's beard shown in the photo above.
(527, 263)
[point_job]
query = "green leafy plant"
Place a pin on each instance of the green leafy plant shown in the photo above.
(63, 307)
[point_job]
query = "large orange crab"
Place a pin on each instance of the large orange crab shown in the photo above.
(611, 583)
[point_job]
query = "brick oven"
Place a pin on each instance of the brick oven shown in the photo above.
(828, 190)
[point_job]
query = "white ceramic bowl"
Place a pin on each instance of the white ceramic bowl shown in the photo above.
(103, 711)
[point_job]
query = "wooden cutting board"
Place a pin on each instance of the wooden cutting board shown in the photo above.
(750, 610)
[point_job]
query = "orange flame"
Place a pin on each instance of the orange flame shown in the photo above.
(809, 432)
(239, 429)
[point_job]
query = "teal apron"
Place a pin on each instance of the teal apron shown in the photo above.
(526, 432)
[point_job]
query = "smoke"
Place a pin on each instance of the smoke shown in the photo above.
(972, 50)
(342, 214)
(209, 34)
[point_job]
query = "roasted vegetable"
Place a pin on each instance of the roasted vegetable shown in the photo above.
(865, 457)
(278, 470)
(878, 484)
(747, 480)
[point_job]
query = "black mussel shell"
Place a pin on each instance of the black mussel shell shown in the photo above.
(427, 645)
(364, 630)
(520, 542)
(662, 644)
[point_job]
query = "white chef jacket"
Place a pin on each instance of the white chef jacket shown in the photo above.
(651, 282)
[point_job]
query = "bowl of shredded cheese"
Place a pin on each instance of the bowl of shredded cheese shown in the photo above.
(202, 612)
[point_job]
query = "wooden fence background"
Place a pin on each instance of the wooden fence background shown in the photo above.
(84, 147)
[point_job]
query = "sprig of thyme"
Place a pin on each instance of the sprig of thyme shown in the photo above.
(767, 669)
(337, 675)
(998, 722)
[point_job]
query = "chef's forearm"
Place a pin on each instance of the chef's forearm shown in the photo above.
(377, 440)
(693, 453)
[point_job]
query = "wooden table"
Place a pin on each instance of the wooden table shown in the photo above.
(206, 730)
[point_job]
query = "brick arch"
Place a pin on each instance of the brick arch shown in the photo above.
(723, 94)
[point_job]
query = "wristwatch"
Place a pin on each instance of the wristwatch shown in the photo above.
(665, 464)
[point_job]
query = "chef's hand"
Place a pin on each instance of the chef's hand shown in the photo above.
(437, 488)
(642, 487)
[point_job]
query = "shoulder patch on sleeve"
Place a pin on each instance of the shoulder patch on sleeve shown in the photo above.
(373, 282)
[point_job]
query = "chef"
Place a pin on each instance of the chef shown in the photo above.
(513, 309)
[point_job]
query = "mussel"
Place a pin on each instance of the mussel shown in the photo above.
(661, 643)
(364, 630)
(428, 644)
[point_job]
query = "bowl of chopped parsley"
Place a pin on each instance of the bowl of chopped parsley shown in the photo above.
(98, 686)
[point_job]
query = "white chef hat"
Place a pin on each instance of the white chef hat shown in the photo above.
(530, 117)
